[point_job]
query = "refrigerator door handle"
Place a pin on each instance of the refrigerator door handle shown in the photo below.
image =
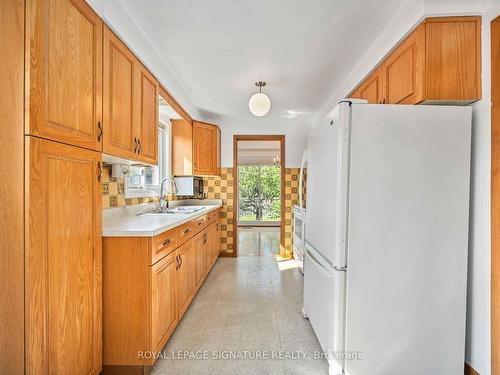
(320, 266)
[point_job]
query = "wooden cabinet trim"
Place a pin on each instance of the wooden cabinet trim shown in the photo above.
(175, 105)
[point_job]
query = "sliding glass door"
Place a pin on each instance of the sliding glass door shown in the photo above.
(259, 188)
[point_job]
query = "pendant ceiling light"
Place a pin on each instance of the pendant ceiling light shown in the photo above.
(259, 104)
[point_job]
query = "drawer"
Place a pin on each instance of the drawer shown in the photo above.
(163, 244)
(185, 232)
(200, 223)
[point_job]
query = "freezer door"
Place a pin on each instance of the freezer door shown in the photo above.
(327, 190)
(324, 304)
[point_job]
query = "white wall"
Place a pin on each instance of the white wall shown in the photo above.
(295, 132)
(478, 334)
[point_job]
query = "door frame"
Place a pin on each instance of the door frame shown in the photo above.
(495, 196)
(267, 137)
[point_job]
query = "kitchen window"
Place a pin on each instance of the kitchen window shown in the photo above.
(144, 181)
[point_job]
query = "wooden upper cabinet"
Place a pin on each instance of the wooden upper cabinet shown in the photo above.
(163, 301)
(453, 58)
(147, 116)
(65, 72)
(130, 100)
(119, 98)
(439, 62)
(403, 70)
(206, 149)
(372, 89)
(63, 225)
(182, 147)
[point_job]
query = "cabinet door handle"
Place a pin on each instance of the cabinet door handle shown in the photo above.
(135, 145)
(140, 146)
(99, 131)
(177, 261)
(99, 173)
(180, 258)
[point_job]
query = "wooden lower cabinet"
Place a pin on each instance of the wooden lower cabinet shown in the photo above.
(187, 274)
(63, 259)
(147, 290)
(163, 301)
(200, 244)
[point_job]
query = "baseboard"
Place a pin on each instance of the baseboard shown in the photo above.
(469, 370)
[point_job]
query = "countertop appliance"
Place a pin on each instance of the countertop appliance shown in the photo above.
(386, 243)
(190, 186)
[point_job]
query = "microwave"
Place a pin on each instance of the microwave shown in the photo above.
(189, 186)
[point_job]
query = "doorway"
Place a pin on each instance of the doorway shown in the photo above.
(258, 167)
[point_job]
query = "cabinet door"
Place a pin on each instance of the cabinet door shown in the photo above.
(182, 147)
(217, 239)
(372, 88)
(453, 58)
(186, 275)
(200, 243)
(205, 152)
(163, 300)
(119, 98)
(65, 72)
(64, 267)
(355, 94)
(404, 70)
(208, 256)
(147, 116)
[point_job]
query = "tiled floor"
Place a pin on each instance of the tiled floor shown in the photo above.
(247, 306)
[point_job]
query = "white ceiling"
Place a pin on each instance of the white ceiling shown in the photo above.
(302, 48)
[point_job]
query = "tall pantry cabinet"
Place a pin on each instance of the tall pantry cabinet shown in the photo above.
(63, 140)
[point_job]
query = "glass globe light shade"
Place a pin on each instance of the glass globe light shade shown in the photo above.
(259, 104)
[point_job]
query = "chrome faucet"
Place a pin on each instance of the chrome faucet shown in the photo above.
(163, 200)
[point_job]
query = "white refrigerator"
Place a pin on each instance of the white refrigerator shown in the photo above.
(387, 235)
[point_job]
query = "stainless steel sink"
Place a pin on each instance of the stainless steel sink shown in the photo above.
(178, 210)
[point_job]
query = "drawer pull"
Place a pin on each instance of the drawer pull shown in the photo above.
(186, 231)
(167, 242)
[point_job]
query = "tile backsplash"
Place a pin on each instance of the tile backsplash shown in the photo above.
(113, 195)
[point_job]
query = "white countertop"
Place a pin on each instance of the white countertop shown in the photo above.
(125, 221)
